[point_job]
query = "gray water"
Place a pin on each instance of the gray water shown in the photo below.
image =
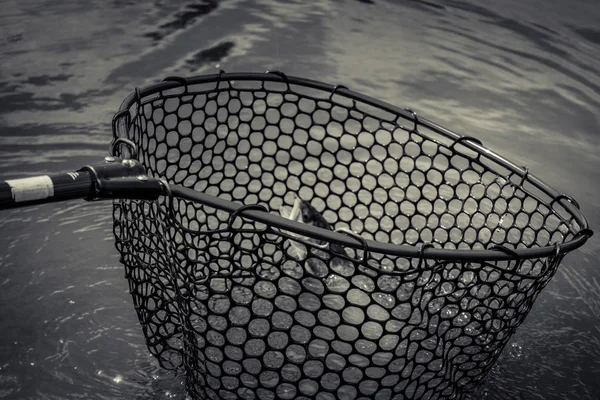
(524, 77)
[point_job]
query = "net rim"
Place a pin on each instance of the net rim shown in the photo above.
(423, 251)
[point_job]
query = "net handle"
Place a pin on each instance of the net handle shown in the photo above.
(111, 179)
(43, 189)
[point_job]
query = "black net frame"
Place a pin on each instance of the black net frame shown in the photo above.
(441, 245)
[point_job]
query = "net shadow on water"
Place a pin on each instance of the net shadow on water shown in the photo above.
(226, 301)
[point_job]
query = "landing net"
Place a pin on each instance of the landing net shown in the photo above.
(451, 245)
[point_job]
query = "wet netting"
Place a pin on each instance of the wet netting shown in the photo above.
(450, 244)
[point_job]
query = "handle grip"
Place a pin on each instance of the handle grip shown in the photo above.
(112, 179)
(46, 189)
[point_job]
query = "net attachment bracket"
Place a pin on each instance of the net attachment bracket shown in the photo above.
(126, 118)
(463, 139)
(117, 142)
(282, 76)
(365, 247)
(181, 80)
(505, 250)
(585, 232)
(117, 178)
(415, 120)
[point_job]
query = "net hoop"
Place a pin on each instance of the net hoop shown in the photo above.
(224, 80)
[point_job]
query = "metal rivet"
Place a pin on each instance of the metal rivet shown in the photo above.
(128, 163)
(142, 178)
(109, 159)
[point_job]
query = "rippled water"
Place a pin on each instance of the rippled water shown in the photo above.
(521, 76)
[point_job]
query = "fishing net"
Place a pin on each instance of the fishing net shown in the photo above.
(451, 246)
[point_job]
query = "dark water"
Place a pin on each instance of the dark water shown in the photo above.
(524, 77)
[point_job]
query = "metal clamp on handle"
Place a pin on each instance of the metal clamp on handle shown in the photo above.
(122, 179)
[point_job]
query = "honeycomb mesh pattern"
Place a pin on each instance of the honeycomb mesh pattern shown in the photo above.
(244, 318)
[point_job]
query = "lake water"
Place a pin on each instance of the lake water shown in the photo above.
(524, 77)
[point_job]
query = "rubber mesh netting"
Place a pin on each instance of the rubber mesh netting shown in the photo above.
(243, 318)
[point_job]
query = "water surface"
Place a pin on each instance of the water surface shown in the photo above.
(521, 76)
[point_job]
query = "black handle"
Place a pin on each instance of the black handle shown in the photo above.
(111, 179)
(46, 189)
